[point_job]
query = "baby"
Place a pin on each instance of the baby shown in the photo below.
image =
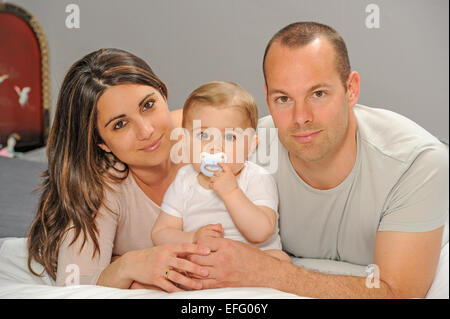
(221, 194)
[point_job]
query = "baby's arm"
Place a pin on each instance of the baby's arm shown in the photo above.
(256, 223)
(168, 229)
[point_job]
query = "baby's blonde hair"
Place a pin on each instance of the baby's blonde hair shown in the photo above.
(222, 94)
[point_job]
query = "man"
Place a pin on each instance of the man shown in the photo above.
(356, 184)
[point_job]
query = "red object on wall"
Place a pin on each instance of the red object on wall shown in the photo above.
(20, 68)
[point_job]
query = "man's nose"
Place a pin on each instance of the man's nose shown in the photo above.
(303, 113)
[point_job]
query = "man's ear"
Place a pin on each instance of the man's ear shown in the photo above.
(353, 86)
(265, 91)
(104, 147)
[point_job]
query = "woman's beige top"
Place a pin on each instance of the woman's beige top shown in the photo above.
(129, 229)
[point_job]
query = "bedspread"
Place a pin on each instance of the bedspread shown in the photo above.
(17, 282)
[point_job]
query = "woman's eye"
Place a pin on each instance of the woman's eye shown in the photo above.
(148, 105)
(230, 137)
(120, 125)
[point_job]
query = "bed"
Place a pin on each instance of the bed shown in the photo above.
(20, 176)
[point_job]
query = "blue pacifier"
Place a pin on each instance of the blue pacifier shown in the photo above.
(210, 162)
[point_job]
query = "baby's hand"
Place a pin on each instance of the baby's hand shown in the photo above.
(224, 182)
(211, 230)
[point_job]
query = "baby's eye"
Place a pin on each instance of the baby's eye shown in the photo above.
(119, 125)
(203, 136)
(230, 137)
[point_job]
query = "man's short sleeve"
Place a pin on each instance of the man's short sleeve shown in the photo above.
(419, 201)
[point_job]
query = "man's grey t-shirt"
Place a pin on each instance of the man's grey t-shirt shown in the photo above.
(399, 182)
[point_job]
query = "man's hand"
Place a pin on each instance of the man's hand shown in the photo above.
(236, 264)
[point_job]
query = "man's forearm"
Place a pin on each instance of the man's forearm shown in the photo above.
(237, 264)
(308, 283)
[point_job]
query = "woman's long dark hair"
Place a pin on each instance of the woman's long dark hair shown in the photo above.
(78, 169)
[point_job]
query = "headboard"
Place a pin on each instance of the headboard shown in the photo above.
(24, 78)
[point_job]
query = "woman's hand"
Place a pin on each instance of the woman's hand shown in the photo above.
(161, 266)
(165, 266)
(211, 230)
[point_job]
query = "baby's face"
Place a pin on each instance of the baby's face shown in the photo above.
(225, 129)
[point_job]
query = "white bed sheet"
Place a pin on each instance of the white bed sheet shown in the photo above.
(17, 282)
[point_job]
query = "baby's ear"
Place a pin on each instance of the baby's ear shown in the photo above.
(253, 145)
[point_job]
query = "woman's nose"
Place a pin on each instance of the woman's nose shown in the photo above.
(144, 130)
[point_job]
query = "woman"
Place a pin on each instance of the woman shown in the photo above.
(108, 169)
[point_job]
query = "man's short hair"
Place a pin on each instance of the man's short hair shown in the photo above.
(299, 34)
(222, 94)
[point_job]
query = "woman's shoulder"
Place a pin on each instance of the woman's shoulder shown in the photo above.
(122, 189)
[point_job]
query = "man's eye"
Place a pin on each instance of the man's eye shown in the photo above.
(230, 137)
(319, 94)
(120, 124)
(282, 99)
(148, 105)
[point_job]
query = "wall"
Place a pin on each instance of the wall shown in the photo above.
(404, 64)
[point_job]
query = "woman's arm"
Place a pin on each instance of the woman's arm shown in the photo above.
(78, 260)
(149, 267)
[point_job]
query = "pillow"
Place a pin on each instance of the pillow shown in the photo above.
(14, 267)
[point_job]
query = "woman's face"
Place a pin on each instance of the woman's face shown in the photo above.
(135, 124)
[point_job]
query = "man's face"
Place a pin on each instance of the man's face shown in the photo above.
(307, 100)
